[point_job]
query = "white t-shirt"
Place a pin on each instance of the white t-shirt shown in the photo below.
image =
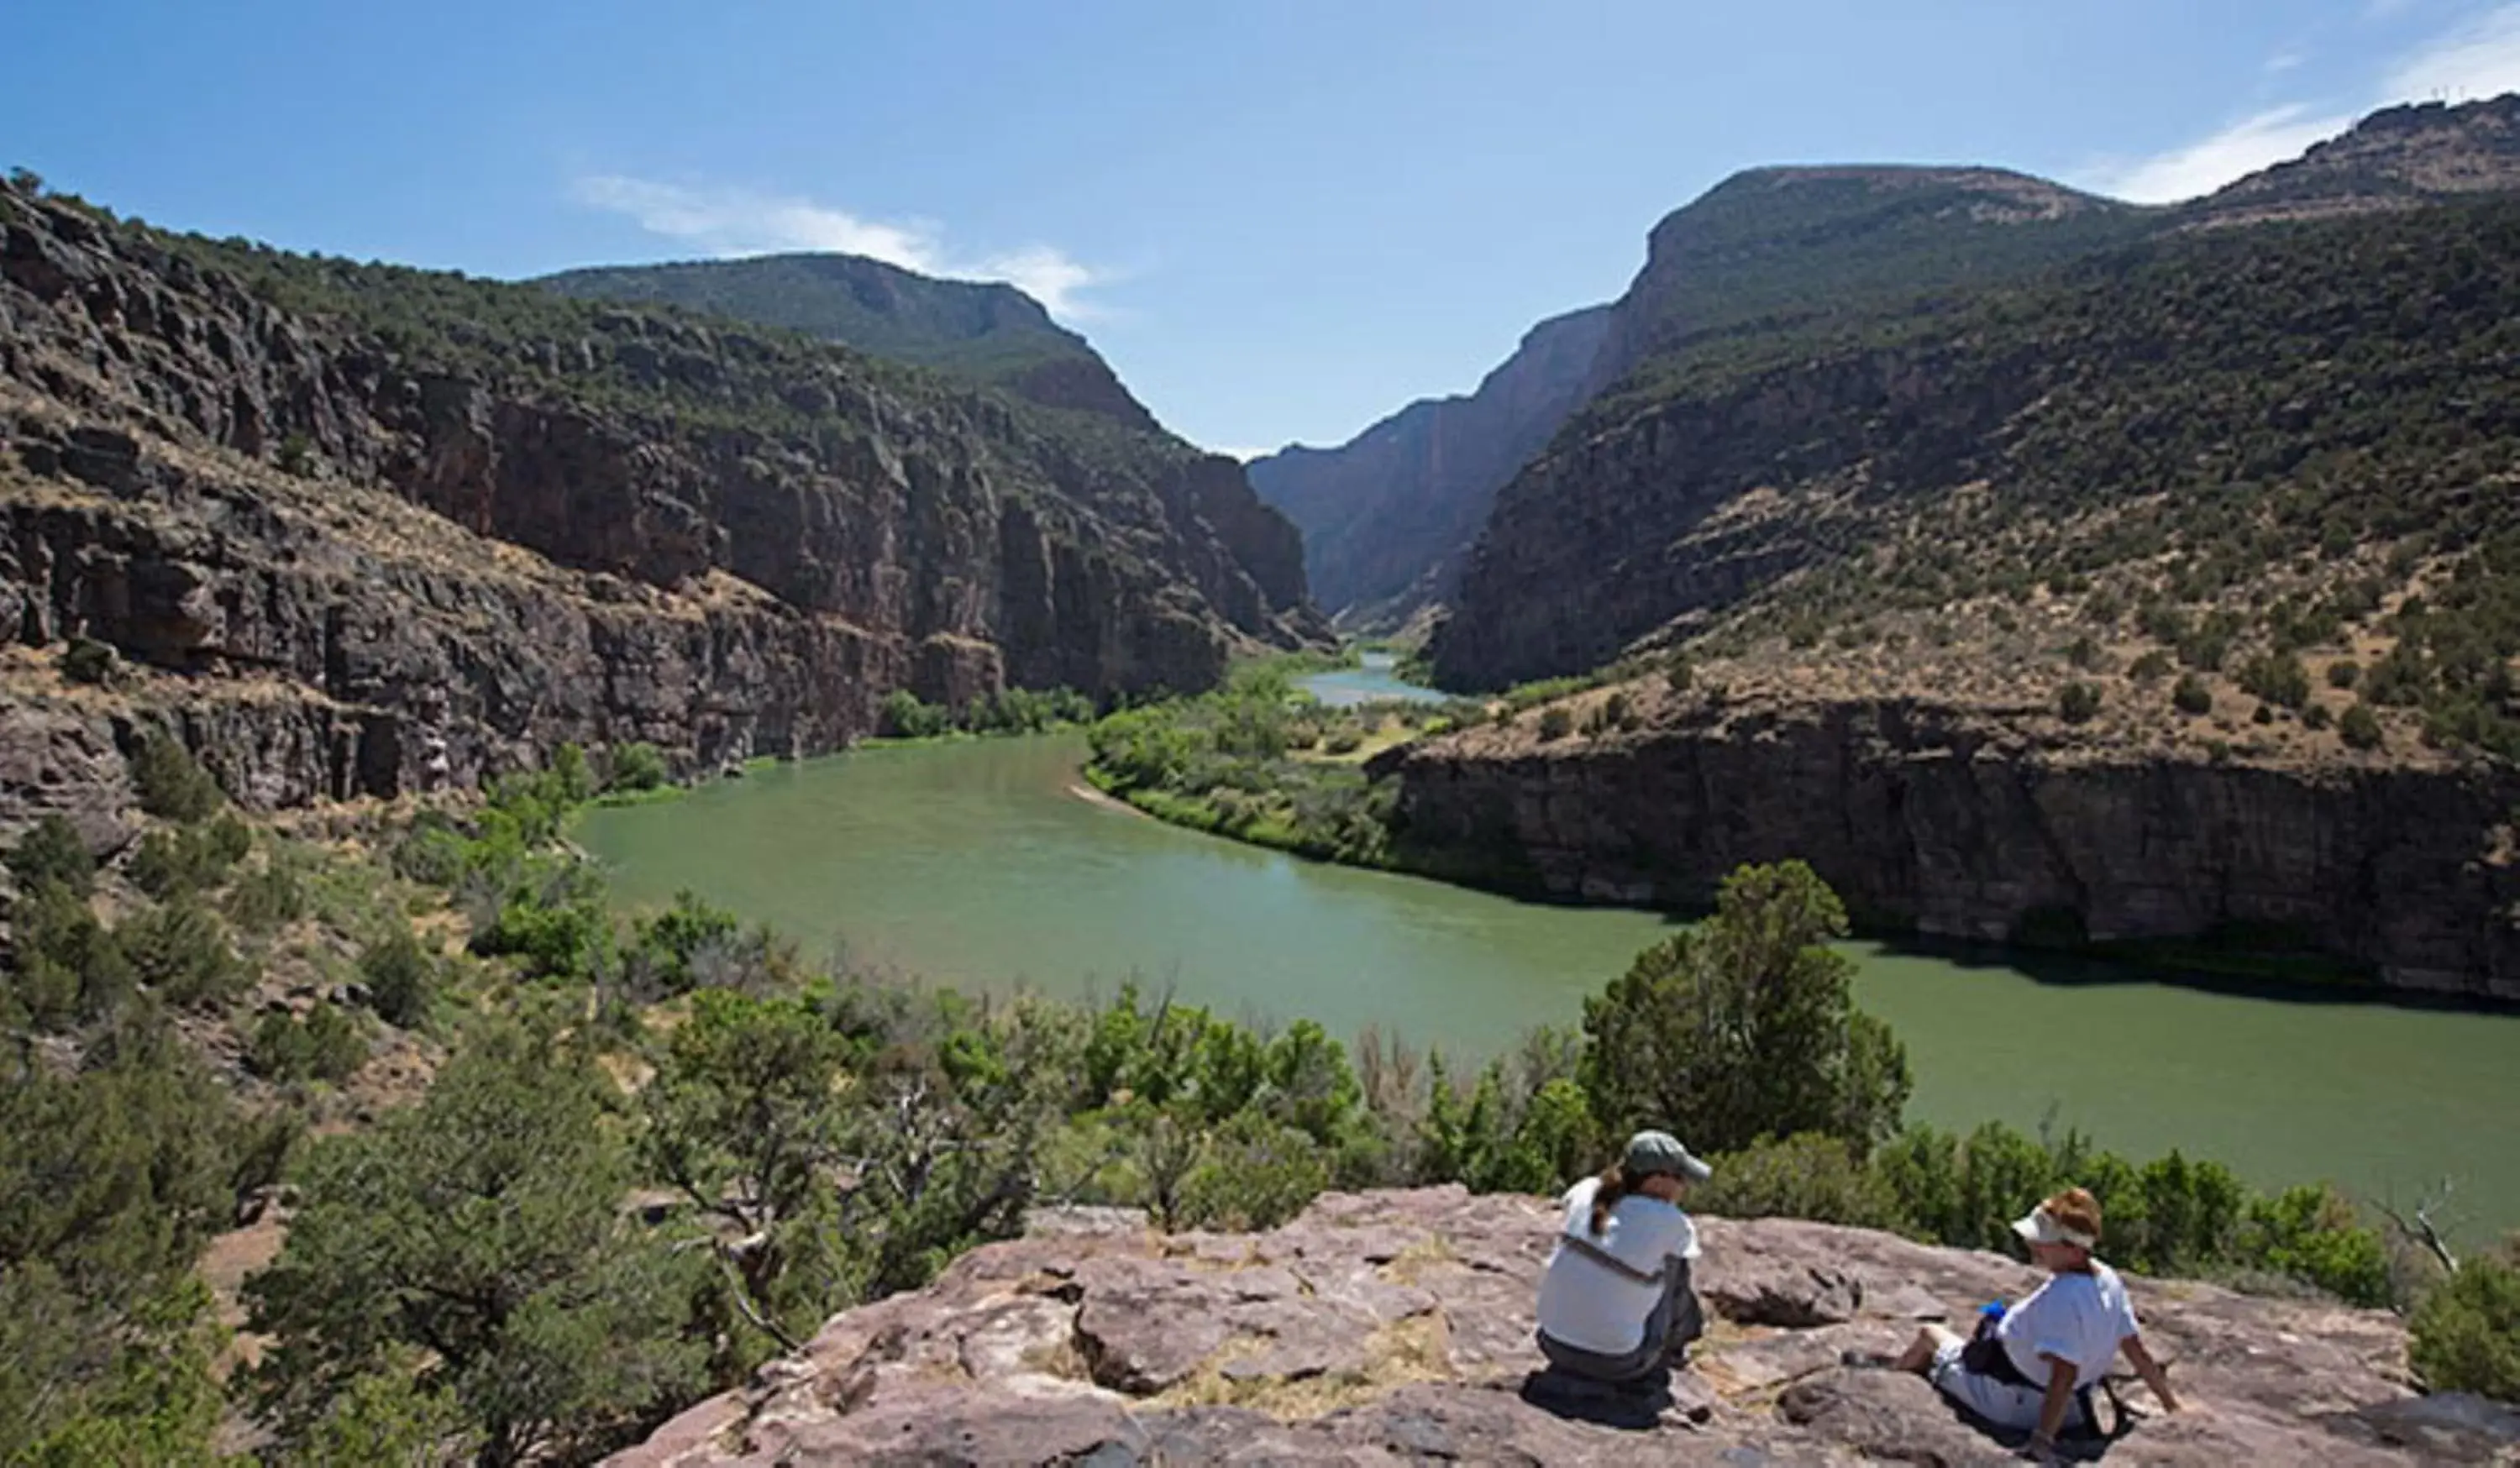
(1587, 1305)
(2080, 1318)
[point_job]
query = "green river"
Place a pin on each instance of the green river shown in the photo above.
(977, 863)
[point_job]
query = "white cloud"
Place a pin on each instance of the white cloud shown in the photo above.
(2286, 60)
(2208, 164)
(731, 222)
(2476, 61)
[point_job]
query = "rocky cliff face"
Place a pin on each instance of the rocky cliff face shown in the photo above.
(364, 551)
(2397, 157)
(985, 331)
(1964, 825)
(1397, 1327)
(1388, 515)
(1769, 248)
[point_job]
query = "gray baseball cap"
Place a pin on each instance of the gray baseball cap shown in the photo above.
(1659, 1152)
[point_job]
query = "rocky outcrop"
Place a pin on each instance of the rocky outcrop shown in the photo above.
(391, 549)
(1388, 515)
(1397, 1327)
(1771, 247)
(1964, 825)
(988, 331)
(2395, 158)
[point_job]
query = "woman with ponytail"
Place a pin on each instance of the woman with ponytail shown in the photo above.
(1615, 1303)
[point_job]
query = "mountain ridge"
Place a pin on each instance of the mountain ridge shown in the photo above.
(1386, 515)
(987, 332)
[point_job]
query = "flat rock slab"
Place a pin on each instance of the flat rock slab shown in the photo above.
(1396, 1327)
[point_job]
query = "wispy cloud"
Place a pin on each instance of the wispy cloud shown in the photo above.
(2474, 60)
(2210, 162)
(2477, 60)
(2286, 60)
(732, 222)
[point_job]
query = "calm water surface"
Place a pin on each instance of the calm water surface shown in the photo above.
(976, 864)
(1373, 683)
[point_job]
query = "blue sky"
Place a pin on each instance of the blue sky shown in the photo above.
(1280, 218)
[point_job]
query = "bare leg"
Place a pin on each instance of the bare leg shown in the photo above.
(1920, 1352)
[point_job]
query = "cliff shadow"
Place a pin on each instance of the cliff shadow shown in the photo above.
(2211, 964)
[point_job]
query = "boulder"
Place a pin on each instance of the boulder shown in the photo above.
(1397, 1326)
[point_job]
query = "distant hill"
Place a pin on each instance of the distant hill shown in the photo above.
(986, 331)
(2396, 158)
(1386, 516)
(2272, 461)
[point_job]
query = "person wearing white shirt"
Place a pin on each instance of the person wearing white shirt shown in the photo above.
(1615, 1301)
(2033, 1367)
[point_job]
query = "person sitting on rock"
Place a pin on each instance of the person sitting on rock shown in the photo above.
(2034, 1365)
(1615, 1303)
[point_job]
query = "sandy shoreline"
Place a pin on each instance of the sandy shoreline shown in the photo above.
(1093, 796)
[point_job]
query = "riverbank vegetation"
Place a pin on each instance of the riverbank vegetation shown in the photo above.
(1259, 761)
(652, 1152)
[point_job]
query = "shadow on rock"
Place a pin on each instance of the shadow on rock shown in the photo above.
(1660, 1400)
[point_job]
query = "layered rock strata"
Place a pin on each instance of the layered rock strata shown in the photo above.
(1969, 825)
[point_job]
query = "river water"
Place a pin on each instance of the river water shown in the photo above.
(977, 863)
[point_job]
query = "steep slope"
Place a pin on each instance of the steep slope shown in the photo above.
(369, 528)
(2399, 158)
(2131, 390)
(1386, 516)
(1777, 249)
(984, 331)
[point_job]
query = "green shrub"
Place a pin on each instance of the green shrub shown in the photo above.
(2151, 667)
(1556, 722)
(2190, 695)
(637, 767)
(1253, 1174)
(1807, 1176)
(432, 851)
(2467, 1330)
(2343, 672)
(1745, 1025)
(2359, 727)
(2078, 704)
(905, 716)
(179, 950)
(89, 661)
(189, 859)
(2317, 716)
(1680, 670)
(51, 851)
(323, 1046)
(172, 784)
(67, 966)
(1346, 741)
(267, 897)
(2313, 1234)
(401, 977)
(2278, 679)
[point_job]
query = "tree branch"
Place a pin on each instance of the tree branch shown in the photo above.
(2421, 1231)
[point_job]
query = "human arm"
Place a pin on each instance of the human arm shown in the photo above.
(2054, 1407)
(2150, 1370)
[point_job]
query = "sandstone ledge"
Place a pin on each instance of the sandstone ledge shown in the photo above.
(1396, 1327)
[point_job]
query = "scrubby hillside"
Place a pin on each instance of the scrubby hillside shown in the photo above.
(986, 331)
(384, 527)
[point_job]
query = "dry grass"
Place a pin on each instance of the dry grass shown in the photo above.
(1417, 1349)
